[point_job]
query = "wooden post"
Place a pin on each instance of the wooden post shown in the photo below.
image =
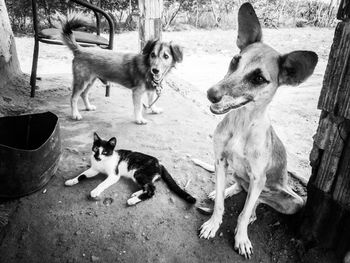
(150, 23)
(326, 219)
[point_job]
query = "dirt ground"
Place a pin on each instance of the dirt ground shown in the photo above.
(62, 225)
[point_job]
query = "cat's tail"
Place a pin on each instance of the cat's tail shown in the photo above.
(175, 187)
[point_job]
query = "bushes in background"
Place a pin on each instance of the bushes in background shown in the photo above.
(184, 14)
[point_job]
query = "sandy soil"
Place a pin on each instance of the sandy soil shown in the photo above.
(62, 225)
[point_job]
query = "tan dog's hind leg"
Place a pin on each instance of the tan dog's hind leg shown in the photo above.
(151, 98)
(282, 199)
(137, 99)
(85, 96)
(209, 228)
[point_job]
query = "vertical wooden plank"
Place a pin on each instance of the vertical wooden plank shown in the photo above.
(327, 212)
(150, 22)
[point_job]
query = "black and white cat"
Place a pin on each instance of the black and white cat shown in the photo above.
(142, 168)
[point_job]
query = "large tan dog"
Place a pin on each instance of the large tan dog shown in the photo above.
(244, 140)
(138, 72)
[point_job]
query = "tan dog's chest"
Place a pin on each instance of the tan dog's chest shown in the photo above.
(236, 158)
(241, 145)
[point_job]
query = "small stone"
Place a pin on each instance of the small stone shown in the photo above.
(147, 238)
(186, 217)
(83, 254)
(143, 234)
(77, 233)
(108, 201)
(94, 258)
(44, 191)
(171, 199)
(221, 234)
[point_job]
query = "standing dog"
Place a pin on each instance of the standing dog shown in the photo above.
(245, 140)
(138, 72)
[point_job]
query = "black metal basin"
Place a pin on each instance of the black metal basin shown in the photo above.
(30, 149)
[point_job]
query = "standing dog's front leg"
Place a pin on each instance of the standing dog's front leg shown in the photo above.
(209, 228)
(137, 99)
(242, 242)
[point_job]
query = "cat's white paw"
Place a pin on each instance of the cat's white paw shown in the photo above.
(137, 193)
(71, 182)
(91, 108)
(76, 116)
(94, 194)
(141, 121)
(133, 200)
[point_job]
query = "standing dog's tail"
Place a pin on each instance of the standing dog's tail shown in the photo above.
(175, 187)
(71, 22)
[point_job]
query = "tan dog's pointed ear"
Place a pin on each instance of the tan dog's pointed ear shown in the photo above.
(296, 67)
(249, 29)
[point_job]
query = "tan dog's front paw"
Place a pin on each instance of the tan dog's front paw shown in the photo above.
(209, 228)
(243, 245)
(141, 121)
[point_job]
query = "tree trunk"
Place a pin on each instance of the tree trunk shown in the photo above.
(9, 64)
(13, 82)
(326, 217)
(150, 23)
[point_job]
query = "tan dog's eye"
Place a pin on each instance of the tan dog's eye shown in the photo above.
(153, 55)
(258, 80)
(166, 56)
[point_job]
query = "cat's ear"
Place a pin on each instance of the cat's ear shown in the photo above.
(96, 137)
(113, 142)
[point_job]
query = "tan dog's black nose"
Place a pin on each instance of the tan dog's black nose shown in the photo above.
(214, 95)
(155, 71)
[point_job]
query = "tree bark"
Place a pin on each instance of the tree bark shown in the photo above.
(326, 216)
(150, 23)
(9, 65)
